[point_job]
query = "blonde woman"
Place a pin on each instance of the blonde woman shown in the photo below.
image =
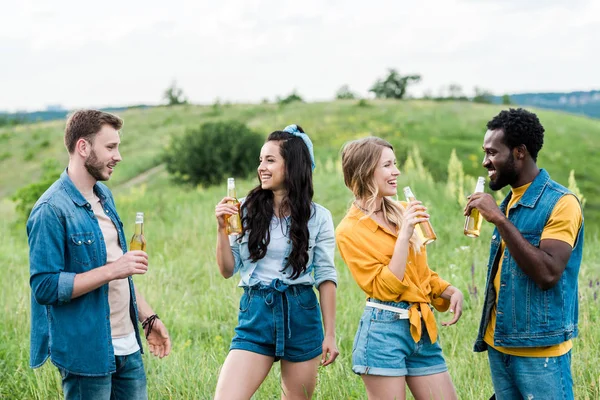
(396, 342)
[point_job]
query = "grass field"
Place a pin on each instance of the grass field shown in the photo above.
(200, 308)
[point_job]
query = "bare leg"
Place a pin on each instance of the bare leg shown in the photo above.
(385, 387)
(432, 387)
(298, 379)
(241, 375)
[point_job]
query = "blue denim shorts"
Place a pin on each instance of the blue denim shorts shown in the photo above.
(383, 346)
(280, 321)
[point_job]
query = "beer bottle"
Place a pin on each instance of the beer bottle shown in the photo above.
(138, 241)
(424, 230)
(473, 220)
(234, 223)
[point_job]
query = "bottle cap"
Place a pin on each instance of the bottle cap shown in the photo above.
(139, 217)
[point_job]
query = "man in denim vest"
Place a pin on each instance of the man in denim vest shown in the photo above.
(530, 311)
(84, 307)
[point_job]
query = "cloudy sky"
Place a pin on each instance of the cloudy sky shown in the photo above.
(127, 52)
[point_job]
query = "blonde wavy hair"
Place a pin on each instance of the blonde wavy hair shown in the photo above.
(360, 159)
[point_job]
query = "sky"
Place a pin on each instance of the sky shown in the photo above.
(117, 53)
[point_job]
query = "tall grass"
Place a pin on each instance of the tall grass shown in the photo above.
(199, 307)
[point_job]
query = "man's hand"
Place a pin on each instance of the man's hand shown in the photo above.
(487, 207)
(158, 339)
(133, 262)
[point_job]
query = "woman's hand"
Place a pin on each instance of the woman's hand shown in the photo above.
(223, 210)
(329, 347)
(456, 303)
(413, 215)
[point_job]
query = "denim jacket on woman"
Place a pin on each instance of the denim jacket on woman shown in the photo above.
(321, 247)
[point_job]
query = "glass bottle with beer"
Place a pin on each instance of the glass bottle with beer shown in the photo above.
(473, 221)
(233, 222)
(138, 241)
(424, 230)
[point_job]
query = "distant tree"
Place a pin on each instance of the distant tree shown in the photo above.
(506, 99)
(292, 97)
(455, 91)
(344, 93)
(482, 96)
(394, 86)
(174, 95)
(428, 94)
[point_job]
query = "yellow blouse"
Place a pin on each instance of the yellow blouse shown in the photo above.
(367, 249)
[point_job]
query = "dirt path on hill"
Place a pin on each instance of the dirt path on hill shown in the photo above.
(141, 178)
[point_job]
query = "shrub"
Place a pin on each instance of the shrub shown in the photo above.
(28, 195)
(216, 150)
(292, 97)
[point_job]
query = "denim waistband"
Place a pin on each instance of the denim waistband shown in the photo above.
(277, 285)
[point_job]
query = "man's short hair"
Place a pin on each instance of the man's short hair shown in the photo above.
(520, 127)
(85, 124)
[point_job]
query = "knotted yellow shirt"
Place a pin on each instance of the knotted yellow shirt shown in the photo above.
(367, 249)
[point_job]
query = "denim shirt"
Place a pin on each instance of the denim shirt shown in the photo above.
(64, 240)
(528, 316)
(321, 247)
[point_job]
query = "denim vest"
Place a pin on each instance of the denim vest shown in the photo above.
(321, 248)
(527, 316)
(64, 240)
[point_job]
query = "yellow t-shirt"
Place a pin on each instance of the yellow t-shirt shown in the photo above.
(563, 224)
(367, 249)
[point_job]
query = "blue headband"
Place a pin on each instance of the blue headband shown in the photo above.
(293, 130)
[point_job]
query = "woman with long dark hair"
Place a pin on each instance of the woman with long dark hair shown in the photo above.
(286, 248)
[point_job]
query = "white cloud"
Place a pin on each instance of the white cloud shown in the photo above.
(116, 53)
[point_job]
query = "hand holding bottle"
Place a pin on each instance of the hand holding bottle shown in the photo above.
(224, 209)
(131, 263)
(414, 214)
(423, 229)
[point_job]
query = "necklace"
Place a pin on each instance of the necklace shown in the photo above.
(367, 211)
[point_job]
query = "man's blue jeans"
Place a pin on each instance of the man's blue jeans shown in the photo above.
(127, 383)
(531, 377)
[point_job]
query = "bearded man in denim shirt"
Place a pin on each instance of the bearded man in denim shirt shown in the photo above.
(84, 307)
(530, 311)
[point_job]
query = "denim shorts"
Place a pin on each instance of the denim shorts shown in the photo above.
(383, 346)
(280, 321)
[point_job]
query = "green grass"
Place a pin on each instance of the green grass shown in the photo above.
(200, 307)
(436, 128)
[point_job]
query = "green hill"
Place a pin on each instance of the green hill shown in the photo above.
(436, 128)
(199, 307)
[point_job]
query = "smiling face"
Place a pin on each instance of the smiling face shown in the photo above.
(386, 173)
(271, 170)
(104, 154)
(499, 160)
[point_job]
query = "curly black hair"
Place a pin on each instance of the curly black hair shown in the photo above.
(520, 127)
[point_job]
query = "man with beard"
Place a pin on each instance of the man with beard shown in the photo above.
(530, 311)
(84, 306)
